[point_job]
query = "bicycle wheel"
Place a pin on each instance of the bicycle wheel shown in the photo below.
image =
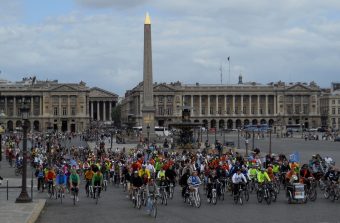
(154, 210)
(246, 195)
(213, 198)
(97, 196)
(197, 200)
(268, 197)
(171, 194)
(236, 197)
(74, 198)
(326, 193)
(240, 198)
(312, 195)
(259, 196)
(274, 196)
(139, 204)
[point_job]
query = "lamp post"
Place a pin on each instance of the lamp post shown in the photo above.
(270, 142)
(238, 138)
(253, 146)
(247, 142)
(23, 197)
(2, 130)
(215, 135)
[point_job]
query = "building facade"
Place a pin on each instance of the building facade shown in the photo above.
(330, 107)
(53, 105)
(229, 106)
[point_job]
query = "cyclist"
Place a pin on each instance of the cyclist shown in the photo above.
(151, 190)
(212, 179)
(97, 180)
(237, 179)
(143, 171)
(193, 181)
(88, 177)
(184, 181)
(305, 173)
(74, 180)
(60, 181)
(50, 176)
(136, 182)
(262, 177)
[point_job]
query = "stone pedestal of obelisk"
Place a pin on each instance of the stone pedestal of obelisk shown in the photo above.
(148, 109)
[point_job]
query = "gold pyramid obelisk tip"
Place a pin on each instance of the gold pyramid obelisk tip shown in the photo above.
(147, 19)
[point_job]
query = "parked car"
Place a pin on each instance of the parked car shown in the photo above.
(337, 139)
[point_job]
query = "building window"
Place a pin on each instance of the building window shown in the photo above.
(211, 111)
(73, 99)
(160, 111)
(333, 111)
(64, 100)
(55, 111)
(333, 121)
(160, 99)
(203, 111)
(55, 99)
(219, 110)
(64, 111)
(236, 110)
(73, 111)
(333, 102)
(244, 110)
(169, 111)
(339, 101)
(169, 99)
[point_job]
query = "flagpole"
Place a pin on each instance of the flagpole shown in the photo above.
(221, 73)
(229, 68)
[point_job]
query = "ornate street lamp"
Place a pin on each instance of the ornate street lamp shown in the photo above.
(23, 197)
(2, 130)
(148, 132)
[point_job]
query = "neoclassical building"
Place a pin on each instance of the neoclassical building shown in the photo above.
(229, 106)
(53, 105)
(330, 107)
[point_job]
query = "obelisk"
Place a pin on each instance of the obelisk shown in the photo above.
(148, 109)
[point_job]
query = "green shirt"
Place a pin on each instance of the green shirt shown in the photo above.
(262, 177)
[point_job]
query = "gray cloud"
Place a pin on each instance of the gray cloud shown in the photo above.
(266, 40)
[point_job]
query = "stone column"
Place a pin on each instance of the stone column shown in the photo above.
(40, 106)
(92, 116)
(216, 112)
(59, 109)
(266, 113)
(192, 105)
(104, 111)
(208, 104)
(200, 105)
(98, 111)
(258, 104)
(275, 105)
(233, 111)
(225, 104)
(68, 106)
(110, 110)
(15, 107)
(6, 112)
(294, 104)
(250, 105)
(32, 106)
(242, 105)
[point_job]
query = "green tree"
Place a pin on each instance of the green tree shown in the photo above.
(116, 115)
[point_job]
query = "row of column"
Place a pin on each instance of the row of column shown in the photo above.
(15, 108)
(233, 104)
(101, 110)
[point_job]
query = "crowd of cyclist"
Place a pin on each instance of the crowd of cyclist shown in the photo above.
(154, 171)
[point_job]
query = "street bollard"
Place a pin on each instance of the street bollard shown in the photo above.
(32, 187)
(7, 189)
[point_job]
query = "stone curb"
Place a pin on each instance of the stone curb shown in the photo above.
(36, 211)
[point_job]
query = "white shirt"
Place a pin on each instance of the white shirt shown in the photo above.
(239, 178)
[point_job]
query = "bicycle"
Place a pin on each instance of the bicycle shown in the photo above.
(163, 195)
(51, 189)
(171, 190)
(18, 170)
(74, 194)
(194, 198)
(311, 188)
(264, 193)
(59, 193)
(136, 200)
(239, 197)
(153, 205)
(96, 193)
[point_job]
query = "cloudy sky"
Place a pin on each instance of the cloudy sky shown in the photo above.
(101, 41)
